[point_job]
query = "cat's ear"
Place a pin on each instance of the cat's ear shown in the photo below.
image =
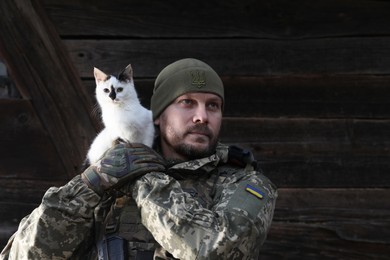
(126, 74)
(99, 75)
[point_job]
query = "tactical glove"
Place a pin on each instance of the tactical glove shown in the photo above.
(122, 164)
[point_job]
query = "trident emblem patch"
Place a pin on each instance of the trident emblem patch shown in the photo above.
(198, 78)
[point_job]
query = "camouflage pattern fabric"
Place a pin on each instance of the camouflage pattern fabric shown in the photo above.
(60, 228)
(202, 209)
(232, 223)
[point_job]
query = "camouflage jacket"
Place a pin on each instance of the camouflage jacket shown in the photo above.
(201, 209)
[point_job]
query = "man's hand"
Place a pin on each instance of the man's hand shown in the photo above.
(122, 164)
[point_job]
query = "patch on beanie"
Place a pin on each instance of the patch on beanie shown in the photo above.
(198, 78)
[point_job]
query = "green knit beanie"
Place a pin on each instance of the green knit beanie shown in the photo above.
(180, 77)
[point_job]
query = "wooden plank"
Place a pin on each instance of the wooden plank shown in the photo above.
(341, 96)
(330, 223)
(257, 57)
(316, 152)
(305, 241)
(359, 134)
(29, 191)
(316, 96)
(26, 150)
(219, 19)
(296, 200)
(314, 138)
(43, 72)
(326, 171)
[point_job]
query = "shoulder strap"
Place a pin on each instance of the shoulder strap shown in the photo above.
(241, 157)
(109, 244)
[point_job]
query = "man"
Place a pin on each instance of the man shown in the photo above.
(204, 200)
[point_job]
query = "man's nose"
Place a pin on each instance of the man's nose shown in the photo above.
(200, 115)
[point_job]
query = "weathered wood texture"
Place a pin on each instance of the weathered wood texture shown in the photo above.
(352, 55)
(220, 19)
(307, 89)
(43, 73)
(26, 149)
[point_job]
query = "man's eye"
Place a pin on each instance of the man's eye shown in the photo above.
(214, 106)
(186, 101)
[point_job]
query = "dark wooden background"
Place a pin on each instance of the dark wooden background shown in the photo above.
(307, 89)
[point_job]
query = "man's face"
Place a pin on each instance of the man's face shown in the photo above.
(190, 125)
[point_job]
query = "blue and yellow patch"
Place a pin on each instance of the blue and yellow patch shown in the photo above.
(254, 191)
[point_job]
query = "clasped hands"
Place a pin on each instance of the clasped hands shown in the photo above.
(122, 164)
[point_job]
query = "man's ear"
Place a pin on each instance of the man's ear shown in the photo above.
(157, 121)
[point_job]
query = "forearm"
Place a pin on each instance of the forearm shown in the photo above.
(189, 231)
(59, 227)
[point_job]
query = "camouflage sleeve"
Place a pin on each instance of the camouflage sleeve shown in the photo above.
(234, 228)
(60, 228)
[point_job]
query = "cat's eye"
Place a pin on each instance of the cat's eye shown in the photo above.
(106, 90)
(119, 90)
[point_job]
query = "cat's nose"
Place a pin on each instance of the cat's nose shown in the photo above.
(112, 95)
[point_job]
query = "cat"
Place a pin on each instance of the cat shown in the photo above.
(123, 116)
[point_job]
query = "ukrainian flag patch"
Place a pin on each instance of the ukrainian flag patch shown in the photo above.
(254, 191)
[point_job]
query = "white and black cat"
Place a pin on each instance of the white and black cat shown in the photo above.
(123, 115)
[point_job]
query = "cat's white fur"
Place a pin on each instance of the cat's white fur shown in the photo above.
(123, 117)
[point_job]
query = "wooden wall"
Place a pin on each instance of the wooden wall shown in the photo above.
(307, 89)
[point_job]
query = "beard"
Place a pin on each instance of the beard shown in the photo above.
(191, 151)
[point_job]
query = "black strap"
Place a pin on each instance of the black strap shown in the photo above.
(241, 157)
(112, 247)
(144, 255)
